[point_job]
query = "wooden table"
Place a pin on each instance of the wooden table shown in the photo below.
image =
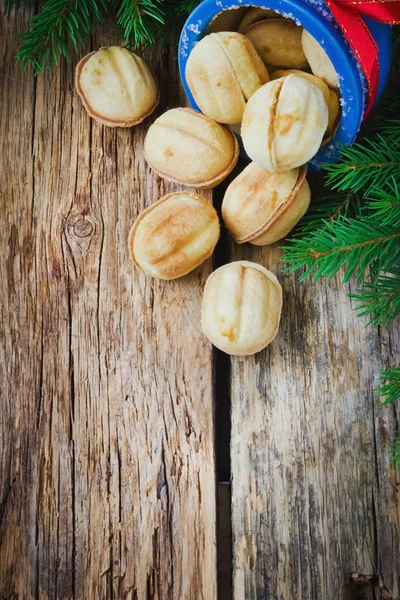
(114, 416)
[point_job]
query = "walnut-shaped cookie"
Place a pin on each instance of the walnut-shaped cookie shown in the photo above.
(278, 42)
(284, 123)
(174, 236)
(256, 14)
(262, 207)
(242, 306)
(189, 148)
(222, 72)
(116, 86)
(331, 97)
(320, 63)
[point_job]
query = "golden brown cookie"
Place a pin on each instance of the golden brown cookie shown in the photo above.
(189, 148)
(174, 236)
(256, 14)
(116, 87)
(319, 61)
(222, 72)
(284, 123)
(330, 96)
(262, 207)
(242, 305)
(278, 42)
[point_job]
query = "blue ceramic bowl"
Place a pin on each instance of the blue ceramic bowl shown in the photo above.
(316, 18)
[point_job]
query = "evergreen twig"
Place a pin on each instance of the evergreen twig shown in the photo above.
(395, 450)
(390, 391)
(366, 164)
(141, 21)
(58, 25)
(145, 22)
(63, 25)
(327, 208)
(383, 203)
(380, 300)
(359, 244)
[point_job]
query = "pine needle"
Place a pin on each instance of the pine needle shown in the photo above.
(141, 21)
(390, 390)
(380, 300)
(383, 202)
(146, 22)
(58, 26)
(356, 244)
(327, 208)
(395, 450)
(365, 165)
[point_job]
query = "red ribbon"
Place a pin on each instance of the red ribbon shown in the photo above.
(349, 16)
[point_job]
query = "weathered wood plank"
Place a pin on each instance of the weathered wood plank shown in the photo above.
(313, 497)
(107, 436)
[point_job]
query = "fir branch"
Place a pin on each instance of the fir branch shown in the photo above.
(145, 22)
(390, 390)
(141, 21)
(60, 24)
(384, 203)
(380, 300)
(328, 208)
(365, 165)
(395, 450)
(186, 7)
(391, 127)
(358, 244)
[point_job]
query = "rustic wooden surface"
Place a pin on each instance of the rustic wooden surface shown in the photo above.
(313, 497)
(107, 466)
(107, 471)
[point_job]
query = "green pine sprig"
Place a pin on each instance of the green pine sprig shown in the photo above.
(327, 208)
(62, 26)
(141, 21)
(395, 450)
(383, 203)
(380, 300)
(366, 164)
(58, 26)
(358, 244)
(390, 390)
(146, 22)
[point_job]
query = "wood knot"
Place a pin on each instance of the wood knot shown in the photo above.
(83, 228)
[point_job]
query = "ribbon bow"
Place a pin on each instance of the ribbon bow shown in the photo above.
(349, 16)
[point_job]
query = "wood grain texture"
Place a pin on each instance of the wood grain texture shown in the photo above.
(107, 471)
(313, 496)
